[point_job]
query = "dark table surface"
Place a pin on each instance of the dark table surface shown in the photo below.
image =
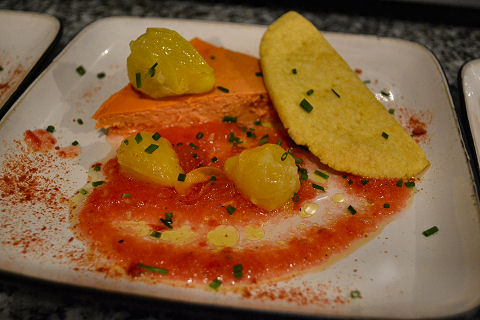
(452, 33)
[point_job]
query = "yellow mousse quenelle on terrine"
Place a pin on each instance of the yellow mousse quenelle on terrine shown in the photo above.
(239, 90)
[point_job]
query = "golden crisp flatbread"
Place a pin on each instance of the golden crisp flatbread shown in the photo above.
(341, 121)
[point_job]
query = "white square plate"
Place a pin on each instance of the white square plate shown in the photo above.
(24, 38)
(470, 80)
(400, 273)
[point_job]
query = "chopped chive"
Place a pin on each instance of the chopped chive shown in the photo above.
(125, 195)
(81, 70)
(213, 178)
(138, 78)
(352, 210)
(168, 215)
(151, 148)
(367, 81)
(261, 95)
(262, 142)
(409, 184)
(101, 75)
(214, 159)
(333, 90)
(385, 93)
(215, 284)
(257, 122)
(126, 142)
(155, 234)
(50, 129)
(83, 191)
(156, 136)
(279, 142)
(284, 156)
(199, 135)
(316, 186)
(194, 155)
(234, 140)
(194, 146)
(1, 68)
(167, 222)
(153, 269)
(364, 181)
(399, 183)
(350, 182)
(385, 135)
(306, 105)
(181, 177)
(97, 183)
(97, 168)
(294, 71)
(75, 143)
(151, 71)
(295, 197)
(303, 174)
(212, 57)
(259, 74)
(237, 271)
(229, 119)
(430, 231)
(355, 294)
(231, 209)
(310, 92)
(386, 205)
(223, 89)
(80, 121)
(321, 174)
(391, 111)
(138, 138)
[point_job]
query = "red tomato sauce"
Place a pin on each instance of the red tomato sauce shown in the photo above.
(204, 208)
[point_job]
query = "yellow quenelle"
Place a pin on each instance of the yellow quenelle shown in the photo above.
(162, 63)
(265, 175)
(150, 157)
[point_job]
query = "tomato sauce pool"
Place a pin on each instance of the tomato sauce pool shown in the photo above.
(124, 219)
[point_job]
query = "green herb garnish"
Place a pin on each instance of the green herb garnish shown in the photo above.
(153, 269)
(138, 79)
(229, 119)
(430, 231)
(364, 181)
(215, 284)
(199, 135)
(262, 142)
(310, 92)
(155, 234)
(352, 210)
(303, 173)
(257, 122)
(316, 186)
(79, 121)
(321, 174)
(399, 183)
(409, 184)
(83, 191)
(181, 177)
(214, 159)
(151, 148)
(386, 205)
(350, 182)
(194, 146)
(223, 89)
(259, 74)
(333, 90)
(151, 71)
(50, 129)
(355, 294)
(138, 138)
(385, 93)
(294, 71)
(75, 143)
(237, 271)
(234, 140)
(295, 197)
(306, 105)
(385, 135)
(391, 111)
(230, 209)
(101, 75)
(97, 183)
(167, 221)
(97, 168)
(125, 195)
(81, 70)
(156, 136)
